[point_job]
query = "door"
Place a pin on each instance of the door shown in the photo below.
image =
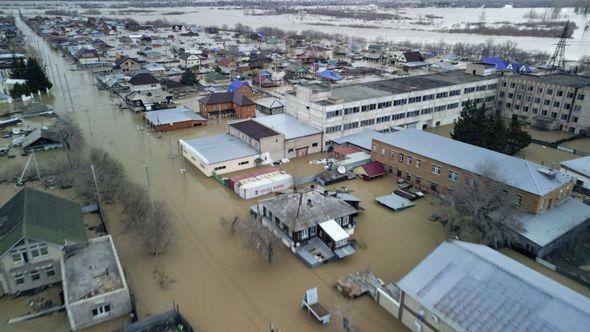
(302, 152)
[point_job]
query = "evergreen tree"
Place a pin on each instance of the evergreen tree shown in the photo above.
(37, 79)
(496, 135)
(19, 89)
(19, 70)
(464, 127)
(188, 78)
(517, 138)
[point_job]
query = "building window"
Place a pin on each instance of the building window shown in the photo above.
(17, 257)
(219, 168)
(433, 186)
(391, 155)
(303, 234)
(101, 311)
(453, 176)
(418, 179)
(243, 162)
(19, 278)
(400, 157)
(418, 163)
(382, 152)
(313, 230)
(436, 169)
(409, 160)
(345, 220)
(35, 275)
(518, 199)
(50, 270)
(38, 250)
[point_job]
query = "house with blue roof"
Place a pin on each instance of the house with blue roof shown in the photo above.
(497, 61)
(329, 75)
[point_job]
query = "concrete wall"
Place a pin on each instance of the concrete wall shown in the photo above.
(80, 313)
(292, 145)
(274, 145)
(8, 269)
(387, 303)
(414, 314)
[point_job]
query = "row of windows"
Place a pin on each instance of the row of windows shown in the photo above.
(22, 254)
(549, 91)
(34, 274)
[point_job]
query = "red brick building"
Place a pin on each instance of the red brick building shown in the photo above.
(234, 102)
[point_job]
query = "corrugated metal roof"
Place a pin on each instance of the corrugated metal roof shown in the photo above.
(475, 288)
(579, 165)
(222, 147)
(172, 115)
(516, 172)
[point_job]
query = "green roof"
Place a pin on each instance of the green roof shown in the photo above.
(40, 216)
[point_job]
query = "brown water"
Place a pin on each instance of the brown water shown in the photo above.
(218, 285)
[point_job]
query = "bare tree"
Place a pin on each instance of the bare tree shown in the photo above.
(478, 209)
(110, 174)
(136, 205)
(69, 134)
(155, 230)
(258, 238)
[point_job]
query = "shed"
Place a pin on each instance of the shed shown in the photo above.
(394, 202)
(373, 170)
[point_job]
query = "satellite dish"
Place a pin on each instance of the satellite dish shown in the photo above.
(341, 169)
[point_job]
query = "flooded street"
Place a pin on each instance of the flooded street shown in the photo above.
(217, 284)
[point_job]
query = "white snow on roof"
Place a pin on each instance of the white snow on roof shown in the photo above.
(579, 165)
(475, 288)
(219, 148)
(172, 115)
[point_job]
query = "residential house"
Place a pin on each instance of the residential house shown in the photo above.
(580, 169)
(189, 60)
(34, 228)
(127, 65)
(87, 55)
(94, 285)
(143, 81)
(269, 105)
(40, 140)
(234, 102)
(314, 224)
(173, 119)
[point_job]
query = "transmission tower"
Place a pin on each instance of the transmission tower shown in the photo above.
(557, 60)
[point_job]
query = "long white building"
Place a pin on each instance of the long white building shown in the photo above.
(415, 102)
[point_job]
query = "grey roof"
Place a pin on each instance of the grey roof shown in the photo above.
(253, 129)
(516, 172)
(475, 288)
(394, 202)
(222, 147)
(269, 102)
(288, 125)
(579, 165)
(577, 81)
(301, 210)
(172, 115)
(357, 92)
(550, 225)
(92, 270)
(362, 139)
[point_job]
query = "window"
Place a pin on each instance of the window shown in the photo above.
(502, 93)
(580, 97)
(400, 102)
(243, 162)
(455, 93)
(367, 108)
(332, 114)
(303, 234)
(510, 95)
(333, 129)
(556, 104)
(559, 93)
(19, 278)
(400, 157)
(518, 199)
(418, 163)
(504, 84)
(351, 125)
(471, 182)
(38, 250)
(384, 104)
(564, 116)
(436, 169)
(433, 186)
(547, 102)
(549, 91)
(418, 180)
(314, 144)
(469, 90)
(442, 95)
(480, 88)
(412, 100)
(17, 257)
(575, 119)
(513, 85)
(101, 311)
(382, 152)
(289, 150)
(49, 270)
(426, 110)
(313, 230)
(391, 155)
(35, 275)
(453, 176)
(398, 116)
(369, 122)
(409, 160)
(345, 220)
(427, 97)
(412, 114)
(570, 95)
(382, 119)
(351, 110)
(537, 100)
(219, 168)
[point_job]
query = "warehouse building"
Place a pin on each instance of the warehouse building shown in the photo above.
(221, 154)
(462, 286)
(552, 102)
(173, 119)
(415, 102)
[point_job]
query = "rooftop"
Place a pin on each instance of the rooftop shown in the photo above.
(362, 139)
(172, 115)
(475, 288)
(40, 216)
(577, 81)
(513, 171)
(92, 270)
(550, 225)
(304, 209)
(218, 148)
(253, 129)
(288, 125)
(578, 165)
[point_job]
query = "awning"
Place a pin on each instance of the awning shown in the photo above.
(334, 231)
(342, 252)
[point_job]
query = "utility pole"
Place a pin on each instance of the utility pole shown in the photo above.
(97, 193)
(149, 183)
(89, 124)
(22, 175)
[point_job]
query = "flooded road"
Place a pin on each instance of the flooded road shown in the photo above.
(217, 284)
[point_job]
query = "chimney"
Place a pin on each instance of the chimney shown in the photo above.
(309, 203)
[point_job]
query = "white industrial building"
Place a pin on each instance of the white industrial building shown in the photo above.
(415, 102)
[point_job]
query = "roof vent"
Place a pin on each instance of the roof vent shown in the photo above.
(309, 203)
(547, 172)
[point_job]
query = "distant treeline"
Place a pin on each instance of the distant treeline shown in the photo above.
(528, 29)
(365, 15)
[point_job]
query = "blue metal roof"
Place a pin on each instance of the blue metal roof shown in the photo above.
(497, 61)
(329, 75)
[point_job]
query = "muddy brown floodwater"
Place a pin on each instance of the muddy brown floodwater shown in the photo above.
(217, 284)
